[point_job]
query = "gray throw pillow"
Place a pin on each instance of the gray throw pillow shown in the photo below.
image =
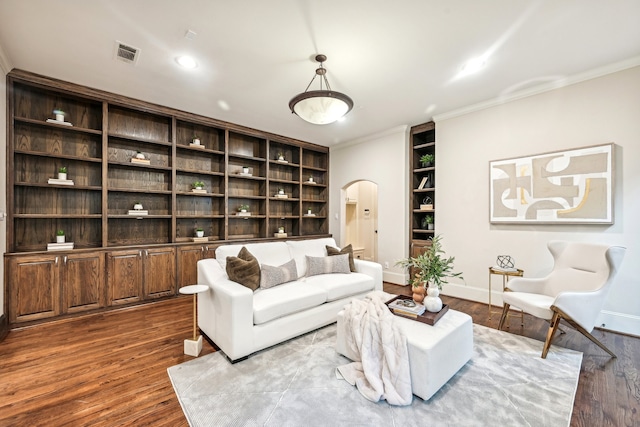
(328, 264)
(271, 276)
(331, 251)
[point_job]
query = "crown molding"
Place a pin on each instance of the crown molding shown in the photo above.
(368, 138)
(546, 87)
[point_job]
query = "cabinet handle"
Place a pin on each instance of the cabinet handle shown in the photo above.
(146, 252)
(65, 260)
(56, 261)
(140, 254)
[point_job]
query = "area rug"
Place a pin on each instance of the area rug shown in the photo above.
(294, 384)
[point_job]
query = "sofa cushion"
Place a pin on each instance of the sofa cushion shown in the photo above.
(331, 251)
(244, 269)
(271, 276)
(339, 286)
(272, 253)
(285, 299)
(328, 264)
(313, 247)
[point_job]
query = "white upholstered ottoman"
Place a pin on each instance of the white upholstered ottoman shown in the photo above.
(436, 352)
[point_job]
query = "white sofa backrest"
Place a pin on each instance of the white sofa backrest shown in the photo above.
(270, 253)
(313, 247)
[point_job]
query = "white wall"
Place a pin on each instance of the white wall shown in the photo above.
(383, 160)
(601, 110)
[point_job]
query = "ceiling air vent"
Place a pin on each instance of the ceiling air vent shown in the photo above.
(126, 53)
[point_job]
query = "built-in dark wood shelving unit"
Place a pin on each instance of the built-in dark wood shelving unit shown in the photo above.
(422, 141)
(120, 258)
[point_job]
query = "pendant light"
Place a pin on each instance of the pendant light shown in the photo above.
(323, 106)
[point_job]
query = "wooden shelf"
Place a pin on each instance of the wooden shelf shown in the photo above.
(120, 250)
(422, 140)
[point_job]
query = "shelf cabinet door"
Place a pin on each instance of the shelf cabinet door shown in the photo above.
(188, 257)
(83, 282)
(159, 272)
(124, 277)
(34, 287)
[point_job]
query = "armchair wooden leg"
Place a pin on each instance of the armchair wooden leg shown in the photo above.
(584, 332)
(505, 313)
(555, 321)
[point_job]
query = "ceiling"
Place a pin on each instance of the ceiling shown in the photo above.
(398, 60)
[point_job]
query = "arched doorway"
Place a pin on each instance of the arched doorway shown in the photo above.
(360, 219)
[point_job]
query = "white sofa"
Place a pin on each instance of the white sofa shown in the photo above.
(240, 321)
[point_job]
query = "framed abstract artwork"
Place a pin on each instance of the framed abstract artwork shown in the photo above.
(563, 187)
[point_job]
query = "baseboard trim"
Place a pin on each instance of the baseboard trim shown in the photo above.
(4, 327)
(609, 320)
(395, 278)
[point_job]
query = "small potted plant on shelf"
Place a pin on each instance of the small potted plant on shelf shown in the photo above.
(280, 230)
(195, 140)
(427, 222)
(199, 232)
(60, 236)
(430, 268)
(280, 157)
(140, 155)
(137, 206)
(59, 115)
(62, 172)
(426, 160)
(308, 211)
(281, 191)
(245, 170)
(311, 178)
(198, 185)
(243, 208)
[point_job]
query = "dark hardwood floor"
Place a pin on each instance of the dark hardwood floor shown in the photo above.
(109, 369)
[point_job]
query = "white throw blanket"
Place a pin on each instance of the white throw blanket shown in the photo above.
(383, 369)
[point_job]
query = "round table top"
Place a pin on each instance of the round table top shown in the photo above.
(193, 289)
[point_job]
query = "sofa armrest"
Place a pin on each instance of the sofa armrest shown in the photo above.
(225, 313)
(372, 269)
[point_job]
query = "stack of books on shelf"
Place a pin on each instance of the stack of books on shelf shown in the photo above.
(138, 212)
(58, 122)
(406, 307)
(195, 190)
(60, 246)
(282, 196)
(192, 145)
(57, 181)
(200, 239)
(141, 161)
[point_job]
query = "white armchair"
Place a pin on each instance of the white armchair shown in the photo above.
(575, 290)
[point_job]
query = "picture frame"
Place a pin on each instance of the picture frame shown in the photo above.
(574, 186)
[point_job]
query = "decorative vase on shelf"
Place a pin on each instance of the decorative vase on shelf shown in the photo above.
(199, 233)
(432, 302)
(418, 294)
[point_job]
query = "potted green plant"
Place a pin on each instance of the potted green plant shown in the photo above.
(431, 267)
(243, 208)
(198, 185)
(311, 178)
(308, 211)
(245, 170)
(195, 140)
(62, 172)
(137, 206)
(426, 160)
(199, 232)
(427, 222)
(281, 191)
(59, 115)
(280, 230)
(280, 157)
(60, 236)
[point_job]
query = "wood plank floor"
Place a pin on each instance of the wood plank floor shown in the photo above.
(109, 369)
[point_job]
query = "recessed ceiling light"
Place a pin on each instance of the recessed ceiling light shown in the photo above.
(186, 61)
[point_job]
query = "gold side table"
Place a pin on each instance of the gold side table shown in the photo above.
(193, 347)
(506, 274)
